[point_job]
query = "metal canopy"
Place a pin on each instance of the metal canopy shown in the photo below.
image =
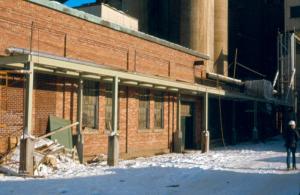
(71, 68)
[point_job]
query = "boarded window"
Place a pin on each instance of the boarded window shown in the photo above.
(90, 104)
(144, 109)
(295, 12)
(159, 111)
(108, 108)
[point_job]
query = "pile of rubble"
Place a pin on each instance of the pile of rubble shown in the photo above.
(49, 156)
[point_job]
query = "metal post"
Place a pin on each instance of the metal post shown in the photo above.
(113, 139)
(178, 142)
(234, 123)
(205, 132)
(26, 145)
(80, 138)
(235, 62)
(255, 130)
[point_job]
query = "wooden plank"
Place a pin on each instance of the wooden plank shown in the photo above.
(58, 130)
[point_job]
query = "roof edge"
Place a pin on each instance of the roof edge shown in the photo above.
(97, 20)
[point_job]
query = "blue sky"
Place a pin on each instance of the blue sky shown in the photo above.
(72, 3)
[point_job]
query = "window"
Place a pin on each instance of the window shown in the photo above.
(159, 111)
(144, 109)
(108, 108)
(295, 12)
(90, 104)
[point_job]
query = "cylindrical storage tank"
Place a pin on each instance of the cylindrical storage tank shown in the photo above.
(221, 37)
(197, 27)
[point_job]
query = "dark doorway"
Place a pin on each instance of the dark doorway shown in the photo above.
(187, 124)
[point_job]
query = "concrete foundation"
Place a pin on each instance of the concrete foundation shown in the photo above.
(113, 150)
(205, 142)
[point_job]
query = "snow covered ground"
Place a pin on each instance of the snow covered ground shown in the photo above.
(242, 169)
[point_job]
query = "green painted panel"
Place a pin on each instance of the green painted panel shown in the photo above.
(63, 137)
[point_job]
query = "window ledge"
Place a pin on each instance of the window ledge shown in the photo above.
(145, 130)
(159, 130)
(90, 131)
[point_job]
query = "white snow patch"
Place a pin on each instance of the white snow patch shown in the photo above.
(242, 169)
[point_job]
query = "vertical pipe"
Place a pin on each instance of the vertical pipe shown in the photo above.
(29, 93)
(80, 139)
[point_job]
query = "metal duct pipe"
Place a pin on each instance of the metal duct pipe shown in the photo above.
(224, 78)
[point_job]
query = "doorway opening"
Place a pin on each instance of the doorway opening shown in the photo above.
(188, 125)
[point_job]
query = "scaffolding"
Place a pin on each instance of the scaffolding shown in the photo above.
(286, 67)
(286, 78)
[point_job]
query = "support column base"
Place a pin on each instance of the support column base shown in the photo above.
(205, 141)
(178, 146)
(113, 150)
(26, 157)
(80, 148)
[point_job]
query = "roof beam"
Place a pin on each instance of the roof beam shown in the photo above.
(95, 71)
(14, 59)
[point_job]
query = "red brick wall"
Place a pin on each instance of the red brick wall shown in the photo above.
(11, 108)
(60, 34)
(64, 35)
(57, 96)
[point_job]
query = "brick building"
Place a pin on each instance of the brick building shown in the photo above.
(71, 54)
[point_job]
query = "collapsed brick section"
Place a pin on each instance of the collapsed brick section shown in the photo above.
(63, 35)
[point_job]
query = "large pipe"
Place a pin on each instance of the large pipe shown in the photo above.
(221, 37)
(224, 78)
(197, 27)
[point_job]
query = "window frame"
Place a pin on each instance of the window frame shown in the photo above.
(144, 96)
(96, 109)
(159, 100)
(295, 12)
